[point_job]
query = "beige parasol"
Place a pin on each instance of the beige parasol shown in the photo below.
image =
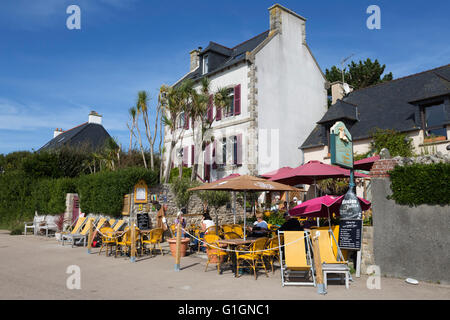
(244, 183)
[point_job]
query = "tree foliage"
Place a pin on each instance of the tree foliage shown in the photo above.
(396, 142)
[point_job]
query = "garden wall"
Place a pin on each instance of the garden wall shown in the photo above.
(408, 242)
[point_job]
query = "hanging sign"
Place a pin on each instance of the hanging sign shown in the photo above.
(126, 205)
(341, 145)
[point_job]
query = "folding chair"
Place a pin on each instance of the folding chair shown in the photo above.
(79, 236)
(330, 264)
(297, 260)
(75, 228)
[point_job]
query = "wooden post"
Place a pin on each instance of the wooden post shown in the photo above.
(133, 240)
(318, 262)
(178, 249)
(90, 236)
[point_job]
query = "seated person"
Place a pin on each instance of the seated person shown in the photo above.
(291, 224)
(260, 228)
(205, 223)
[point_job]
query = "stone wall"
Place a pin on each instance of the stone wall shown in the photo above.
(194, 209)
(408, 242)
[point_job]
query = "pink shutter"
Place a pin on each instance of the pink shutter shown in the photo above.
(237, 99)
(192, 155)
(185, 156)
(239, 149)
(210, 109)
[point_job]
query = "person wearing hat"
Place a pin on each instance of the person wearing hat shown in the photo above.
(291, 224)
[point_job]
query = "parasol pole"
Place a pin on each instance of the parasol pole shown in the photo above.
(245, 216)
(234, 207)
(315, 195)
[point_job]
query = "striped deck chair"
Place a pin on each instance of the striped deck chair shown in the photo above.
(84, 233)
(75, 228)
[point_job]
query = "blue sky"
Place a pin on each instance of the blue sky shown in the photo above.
(51, 77)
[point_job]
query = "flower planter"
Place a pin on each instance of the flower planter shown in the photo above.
(434, 139)
(173, 246)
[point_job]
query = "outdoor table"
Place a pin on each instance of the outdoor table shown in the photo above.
(232, 244)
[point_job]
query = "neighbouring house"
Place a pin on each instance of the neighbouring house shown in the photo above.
(278, 91)
(91, 135)
(418, 105)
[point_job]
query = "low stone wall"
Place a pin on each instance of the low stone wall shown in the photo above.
(367, 257)
(225, 213)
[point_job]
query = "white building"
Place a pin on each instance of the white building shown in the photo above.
(278, 90)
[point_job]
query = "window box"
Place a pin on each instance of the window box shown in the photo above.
(434, 139)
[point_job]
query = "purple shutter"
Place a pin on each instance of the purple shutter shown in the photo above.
(192, 155)
(218, 113)
(237, 99)
(185, 156)
(239, 149)
(210, 108)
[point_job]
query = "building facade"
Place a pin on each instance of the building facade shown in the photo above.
(278, 91)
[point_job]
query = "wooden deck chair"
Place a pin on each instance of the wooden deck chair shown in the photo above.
(296, 261)
(118, 225)
(84, 233)
(331, 264)
(75, 227)
(112, 222)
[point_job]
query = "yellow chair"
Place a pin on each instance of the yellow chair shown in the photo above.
(272, 252)
(296, 260)
(213, 250)
(231, 235)
(227, 228)
(111, 222)
(108, 239)
(125, 241)
(254, 255)
(237, 228)
(154, 238)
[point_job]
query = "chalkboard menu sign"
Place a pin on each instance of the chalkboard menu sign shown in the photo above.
(143, 221)
(350, 234)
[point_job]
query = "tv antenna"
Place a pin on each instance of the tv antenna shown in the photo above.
(342, 65)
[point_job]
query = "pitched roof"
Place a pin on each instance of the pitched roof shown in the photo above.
(388, 105)
(224, 57)
(90, 135)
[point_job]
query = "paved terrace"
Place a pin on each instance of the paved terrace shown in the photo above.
(34, 267)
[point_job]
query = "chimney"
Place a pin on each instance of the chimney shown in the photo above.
(94, 117)
(292, 22)
(195, 58)
(338, 92)
(57, 132)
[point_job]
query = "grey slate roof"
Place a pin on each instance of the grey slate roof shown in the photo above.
(389, 105)
(221, 57)
(90, 135)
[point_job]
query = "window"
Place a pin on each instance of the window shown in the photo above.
(181, 120)
(224, 151)
(205, 64)
(230, 111)
(434, 119)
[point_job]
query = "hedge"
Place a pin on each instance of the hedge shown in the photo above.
(21, 194)
(421, 184)
(103, 192)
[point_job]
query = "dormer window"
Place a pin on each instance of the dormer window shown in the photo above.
(205, 64)
(434, 120)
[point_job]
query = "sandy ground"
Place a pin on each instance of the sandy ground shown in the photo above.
(34, 267)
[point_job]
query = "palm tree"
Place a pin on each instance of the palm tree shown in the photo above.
(175, 101)
(137, 111)
(132, 113)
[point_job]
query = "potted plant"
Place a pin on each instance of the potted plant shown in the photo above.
(433, 138)
(173, 246)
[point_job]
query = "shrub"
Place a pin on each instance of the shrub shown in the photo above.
(180, 189)
(397, 143)
(175, 173)
(421, 184)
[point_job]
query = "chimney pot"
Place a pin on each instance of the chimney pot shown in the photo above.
(94, 117)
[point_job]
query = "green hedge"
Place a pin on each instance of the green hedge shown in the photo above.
(103, 192)
(421, 184)
(21, 194)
